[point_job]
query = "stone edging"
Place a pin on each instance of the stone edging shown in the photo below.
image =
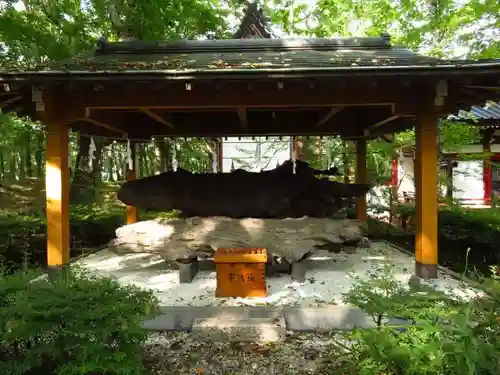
(297, 319)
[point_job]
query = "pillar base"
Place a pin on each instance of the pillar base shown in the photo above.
(426, 271)
(298, 272)
(57, 272)
(188, 268)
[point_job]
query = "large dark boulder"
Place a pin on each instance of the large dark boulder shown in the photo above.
(277, 193)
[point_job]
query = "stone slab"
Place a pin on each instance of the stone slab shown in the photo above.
(323, 319)
(229, 329)
(181, 318)
(300, 319)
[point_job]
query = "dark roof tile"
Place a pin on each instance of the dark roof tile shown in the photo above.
(246, 54)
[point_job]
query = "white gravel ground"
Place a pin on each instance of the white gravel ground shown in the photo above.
(329, 276)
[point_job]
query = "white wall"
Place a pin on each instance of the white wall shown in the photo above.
(254, 154)
(467, 176)
(406, 175)
(468, 180)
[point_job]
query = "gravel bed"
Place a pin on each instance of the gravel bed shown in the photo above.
(177, 353)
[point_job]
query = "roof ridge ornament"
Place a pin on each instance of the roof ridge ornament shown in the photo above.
(386, 37)
(102, 44)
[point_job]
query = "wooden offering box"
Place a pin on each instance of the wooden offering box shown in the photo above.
(241, 272)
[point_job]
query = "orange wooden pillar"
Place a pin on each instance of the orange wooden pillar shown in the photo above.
(132, 212)
(361, 177)
(426, 183)
(57, 193)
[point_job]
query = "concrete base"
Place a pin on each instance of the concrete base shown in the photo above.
(57, 272)
(298, 319)
(187, 270)
(420, 283)
(298, 272)
(227, 329)
(364, 244)
(273, 267)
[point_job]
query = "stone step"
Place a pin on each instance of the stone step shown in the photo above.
(227, 329)
(297, 318)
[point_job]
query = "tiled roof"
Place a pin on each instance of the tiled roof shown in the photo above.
(491, 111)
(199, 56)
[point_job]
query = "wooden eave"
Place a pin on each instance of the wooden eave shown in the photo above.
(250, 88)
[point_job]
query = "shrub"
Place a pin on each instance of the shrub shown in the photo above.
(465, 236)
(23, 238)
(75, 324)
(422, 331)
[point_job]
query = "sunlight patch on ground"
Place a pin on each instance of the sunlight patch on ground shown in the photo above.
(328, 277)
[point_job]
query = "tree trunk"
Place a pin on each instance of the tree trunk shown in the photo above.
(345, 162)
(169, 144)
(2, 166)
(39, 154)
(109, 163)
(96, 164)
(449, 178)
(163, 151)
(143, 162)
(27, 156)
(20, 163)
(83, 186)
(12, 169)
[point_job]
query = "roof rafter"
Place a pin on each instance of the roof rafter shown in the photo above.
(157, 117)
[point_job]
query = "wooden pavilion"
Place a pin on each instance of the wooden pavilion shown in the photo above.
(357, 88)
(487, 118)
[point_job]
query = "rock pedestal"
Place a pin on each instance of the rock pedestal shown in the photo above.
(185, 240)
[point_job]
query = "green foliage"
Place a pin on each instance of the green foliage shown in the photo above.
(466, 236)
(75, 324)
(23, 240)
(421, 330)
(454, 135)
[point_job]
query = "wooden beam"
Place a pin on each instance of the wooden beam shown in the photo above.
(426, 183)
(10, 101)
(132, 213)
(262, 95)
(329, 115)
(242, 114)
(157, 117)
(361, 177)
(57, 193)
(491, 88)
(211, 124)
(102, 124)
(384, 121)
(99, 119)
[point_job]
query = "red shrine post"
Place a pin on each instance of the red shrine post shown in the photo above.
(356, 88)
